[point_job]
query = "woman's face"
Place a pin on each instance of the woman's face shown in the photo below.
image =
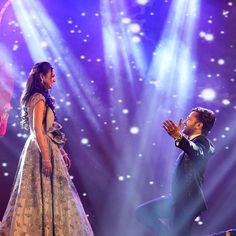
(49, 79)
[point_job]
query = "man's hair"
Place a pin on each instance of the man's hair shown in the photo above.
(207, 117)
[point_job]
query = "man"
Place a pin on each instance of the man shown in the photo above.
(175, 214)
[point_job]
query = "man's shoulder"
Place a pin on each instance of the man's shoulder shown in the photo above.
(202, 139)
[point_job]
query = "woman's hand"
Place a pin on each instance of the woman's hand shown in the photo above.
(67, 160)
(47, 167)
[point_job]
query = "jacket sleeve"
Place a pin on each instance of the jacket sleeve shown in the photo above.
(198, 148)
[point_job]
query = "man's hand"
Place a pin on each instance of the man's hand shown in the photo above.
(172, 129)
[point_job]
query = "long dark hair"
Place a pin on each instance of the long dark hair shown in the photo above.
(35, 85)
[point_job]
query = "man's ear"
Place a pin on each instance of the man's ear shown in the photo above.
(41, 76)
(200, 125)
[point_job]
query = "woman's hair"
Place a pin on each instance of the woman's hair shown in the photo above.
(35, 85)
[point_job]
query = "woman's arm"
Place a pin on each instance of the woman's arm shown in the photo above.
(40, 136)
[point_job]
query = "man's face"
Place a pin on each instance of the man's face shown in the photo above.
(191, 124)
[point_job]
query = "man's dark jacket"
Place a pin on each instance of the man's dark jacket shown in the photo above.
(189, 173)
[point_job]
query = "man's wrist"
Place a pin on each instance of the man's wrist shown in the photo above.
(178, 138)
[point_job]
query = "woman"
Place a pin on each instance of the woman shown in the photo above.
(44, 200)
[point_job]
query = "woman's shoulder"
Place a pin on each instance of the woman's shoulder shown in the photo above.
(35, 98)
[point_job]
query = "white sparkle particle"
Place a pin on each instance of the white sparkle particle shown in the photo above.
(134, 130)
(126, 20)
(142, 2)
(121, 178)
(84, 141)
(151, 182)
(202, 34)
(209, 37)
(225, 13)
(25, 136)
(134, 28)
(125, 111)
(225, 102)
(44, 44)
(208, 94)
(6, 174)
(4, 164)
(221, 61)
(227, 128)
(15, 47)
(136, 39)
